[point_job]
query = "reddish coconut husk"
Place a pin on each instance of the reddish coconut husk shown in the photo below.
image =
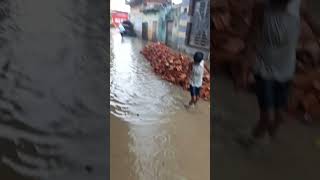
(174, 67)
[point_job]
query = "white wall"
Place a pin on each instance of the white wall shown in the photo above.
(119, 5)
(136, 19)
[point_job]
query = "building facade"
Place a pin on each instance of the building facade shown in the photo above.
(185, 26)
(147, 16)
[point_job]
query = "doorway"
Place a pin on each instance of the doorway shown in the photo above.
(169, 33)
(145, 31)
(154, 30)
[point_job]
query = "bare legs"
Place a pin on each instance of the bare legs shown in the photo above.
(194, 100)
(269, 122)
(195, 95)
(280, 117)
(263, 125)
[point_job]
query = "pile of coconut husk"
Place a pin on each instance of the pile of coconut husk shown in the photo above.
(231, 21)
(174, 67)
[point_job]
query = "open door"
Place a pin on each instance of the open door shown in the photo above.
(145, 31)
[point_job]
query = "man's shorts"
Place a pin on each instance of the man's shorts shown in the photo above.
(271, 94)
(195, 91)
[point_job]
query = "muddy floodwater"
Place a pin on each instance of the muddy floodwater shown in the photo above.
(53, 90)
(152, 135)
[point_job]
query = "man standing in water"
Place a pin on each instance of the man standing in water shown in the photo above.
(274, 45)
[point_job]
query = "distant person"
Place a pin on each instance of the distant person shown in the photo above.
(276, 27)
(121, 28)
(196, 71)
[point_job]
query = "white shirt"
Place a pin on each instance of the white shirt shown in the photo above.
(121, 28)
(279, 38)
(197, 74)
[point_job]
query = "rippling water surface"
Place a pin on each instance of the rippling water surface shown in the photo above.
(136, 93)
(152, 136)
(52, 89)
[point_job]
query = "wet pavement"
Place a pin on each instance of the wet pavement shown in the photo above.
(293, 156)
(152, 135)
(53, 90)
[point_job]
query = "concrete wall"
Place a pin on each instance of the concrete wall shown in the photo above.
(170, 13)
(161, 17)
(182, 28)
(181, 19)
(176, 24)
(137, 18)
(200, 32)
(162, 28)
(150, 18)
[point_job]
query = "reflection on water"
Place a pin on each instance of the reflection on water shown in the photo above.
(140, 98)
(154, 153)
(145, 130)
(136, 93)
(50, 57)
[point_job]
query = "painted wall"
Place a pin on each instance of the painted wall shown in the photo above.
(162, 28)
(161, 17)
(180, 20)
(174, 16)
(182, 31)
(200, 32)
(184, 19)
(150, 18)
(137, 18)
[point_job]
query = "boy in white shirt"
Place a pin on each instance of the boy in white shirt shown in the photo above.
(195, 73)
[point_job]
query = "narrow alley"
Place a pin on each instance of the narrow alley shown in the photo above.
(152, 135)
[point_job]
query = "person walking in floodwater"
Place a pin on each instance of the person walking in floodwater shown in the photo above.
(195, 73)
(274, 47)
(121, 28)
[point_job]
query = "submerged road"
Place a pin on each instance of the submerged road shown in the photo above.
(53, 81)
(152, 135)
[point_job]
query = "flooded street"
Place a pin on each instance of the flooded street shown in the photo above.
(53, 90)
(152, 135)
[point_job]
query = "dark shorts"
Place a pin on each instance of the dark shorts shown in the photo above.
(195, 91)
(271, 94)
